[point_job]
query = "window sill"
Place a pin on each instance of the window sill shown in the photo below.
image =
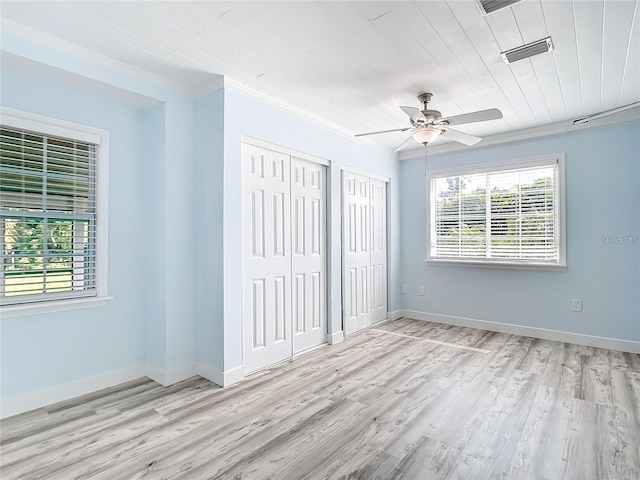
(499, 265)
(37, 308)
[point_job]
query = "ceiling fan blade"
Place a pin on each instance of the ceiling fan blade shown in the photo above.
(384, 131)
(479, 116)
(415, 114)
(401, 146)
(460, 137)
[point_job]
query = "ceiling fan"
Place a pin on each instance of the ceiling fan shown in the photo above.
(427, 125)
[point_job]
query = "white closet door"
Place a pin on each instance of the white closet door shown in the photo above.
(356, 256)
(378, 207)
(267, 257)
(308, 246)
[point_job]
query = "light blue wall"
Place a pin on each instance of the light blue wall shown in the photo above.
(602, 199)
(209, 247)
(152, 318)
(46, 350)
(153, 157)
(246, 116)
(180, 234)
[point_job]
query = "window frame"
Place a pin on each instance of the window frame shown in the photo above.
(49, 126)
(543, 160)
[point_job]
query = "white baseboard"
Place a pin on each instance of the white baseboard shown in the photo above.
(335, 337)
(555, 335)
(169, 377)
(40, 398)
(232, 376)
(224, 379)
(210, 373)
(396, 314)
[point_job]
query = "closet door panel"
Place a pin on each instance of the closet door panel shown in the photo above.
(308, 193)
(356, 252)
(267, 258)
(378, 206)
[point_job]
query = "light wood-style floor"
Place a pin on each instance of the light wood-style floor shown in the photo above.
(408, 399)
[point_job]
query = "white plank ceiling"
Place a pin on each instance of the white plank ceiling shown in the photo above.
(351, 64)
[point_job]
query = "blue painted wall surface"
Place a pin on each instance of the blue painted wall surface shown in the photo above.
(209, 134)
(602, 200)
(180, 234)
(152, 225)
(46, 350)
(153, 129)
(246, 116)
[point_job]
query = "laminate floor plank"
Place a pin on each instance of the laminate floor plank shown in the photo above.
(465, 412)
(264, 460)
(214, 445)
(508, 414)
(377, 465)
(545, 434)
(626, 393)
(484, 455)
(592, 443)
(537, 357)
(427, 458)
(372, 424)
(406, 399)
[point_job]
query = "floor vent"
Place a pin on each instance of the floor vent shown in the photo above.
(528, 50)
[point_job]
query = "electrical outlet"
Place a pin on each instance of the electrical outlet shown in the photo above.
(576, 305)
(421, 290)
(405, 289)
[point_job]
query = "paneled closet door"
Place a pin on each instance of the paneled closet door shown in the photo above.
(356, 255)
(267, 257)
(308, 246)
(378, 208)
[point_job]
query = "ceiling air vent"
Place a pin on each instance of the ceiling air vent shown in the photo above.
(490, 6)
(528, 50)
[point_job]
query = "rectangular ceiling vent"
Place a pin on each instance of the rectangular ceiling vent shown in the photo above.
(489, 6)
(528, 50)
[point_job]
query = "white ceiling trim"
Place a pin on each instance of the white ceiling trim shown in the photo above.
(74, 50)
(627, 116)
(298, 112)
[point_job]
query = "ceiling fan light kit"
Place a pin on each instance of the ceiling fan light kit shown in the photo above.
(427, 125)
(426, 135)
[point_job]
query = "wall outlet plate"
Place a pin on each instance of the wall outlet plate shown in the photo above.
(404, 289)
(421, 290)
(576, 305)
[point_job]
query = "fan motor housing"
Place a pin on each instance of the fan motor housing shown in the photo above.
(432, 115)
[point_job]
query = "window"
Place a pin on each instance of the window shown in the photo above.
(51, 210)
(508, 214)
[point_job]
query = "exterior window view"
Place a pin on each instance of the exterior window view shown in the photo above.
(48, 217)
(504, 215)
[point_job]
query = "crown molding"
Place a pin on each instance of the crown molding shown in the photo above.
(567, 126)
(286, 107)
(39, 38)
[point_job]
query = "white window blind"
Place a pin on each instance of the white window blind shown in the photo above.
(509, 213)
(47, 217)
